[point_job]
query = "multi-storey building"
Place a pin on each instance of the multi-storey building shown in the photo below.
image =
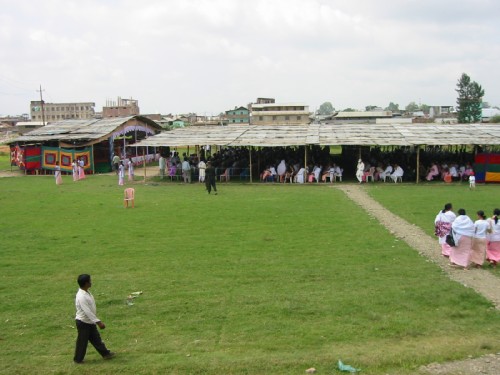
(238, 115)
(121, 108)
(52, 112)
(280, 114)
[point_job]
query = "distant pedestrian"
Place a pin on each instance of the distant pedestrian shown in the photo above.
(57, 174)
(162, 165)
(115, 163)
(472, 182)
(81, 169)
(210, 178)
(74, 168)
(201, 170)
(121, 173)
(86, 321)
(186, 171)
(130, 166)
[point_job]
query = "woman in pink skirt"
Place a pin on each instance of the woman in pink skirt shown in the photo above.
(81, 169)
(493, 246)
(463, 231)
(74, 169)
(478, 254)
(442, 225)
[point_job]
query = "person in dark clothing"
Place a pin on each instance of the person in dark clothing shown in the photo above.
(210, 178)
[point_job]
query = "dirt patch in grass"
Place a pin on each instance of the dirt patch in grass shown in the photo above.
(481, 281)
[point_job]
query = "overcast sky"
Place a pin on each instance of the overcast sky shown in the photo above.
(208, 56)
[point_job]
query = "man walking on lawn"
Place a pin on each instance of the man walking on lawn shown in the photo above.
(86, 321)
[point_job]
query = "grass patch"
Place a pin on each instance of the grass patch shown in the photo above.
(260, 279)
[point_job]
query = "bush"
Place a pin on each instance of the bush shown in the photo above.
(495, 119)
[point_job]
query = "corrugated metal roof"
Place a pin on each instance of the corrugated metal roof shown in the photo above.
(331, 134)
(71, 130)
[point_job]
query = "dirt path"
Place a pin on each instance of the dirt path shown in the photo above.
(482, 282)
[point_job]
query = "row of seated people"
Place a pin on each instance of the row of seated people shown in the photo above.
(367, 172)
(295, 173)
(449, 172)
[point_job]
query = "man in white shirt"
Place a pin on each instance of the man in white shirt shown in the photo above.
(186, 171)
(201, 170)
(86, 321)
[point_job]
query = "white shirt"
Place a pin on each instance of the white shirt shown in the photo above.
(85, 307)
(495, 234)
(480, 227)
(398, 172)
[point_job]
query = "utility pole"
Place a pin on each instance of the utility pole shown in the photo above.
(43, 108)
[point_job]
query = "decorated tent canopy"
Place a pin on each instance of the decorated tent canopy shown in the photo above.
(87, 132)
(93, 140)
(330, 135)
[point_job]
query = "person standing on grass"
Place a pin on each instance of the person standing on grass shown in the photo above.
(481, 226)
(87, 322)
(210, 178)
(81, 169)
(161, 165)
(130, 166)
(186, 171)
(493, 247)
(115, 163)
(463, 231)
(201, 170)
(121, 173)
(57, 174)
(442, 224)
(360, 170)
(74, 168)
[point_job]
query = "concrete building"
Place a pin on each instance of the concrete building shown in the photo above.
(280, 114)
(60, 111)
(368, 117)
(121, 108)
(238, 115)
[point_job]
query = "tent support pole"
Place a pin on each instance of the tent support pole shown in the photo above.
(144, 162)
(305, 162)
(418, 165)
(250, 158)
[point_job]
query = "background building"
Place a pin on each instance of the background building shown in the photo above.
(61, 111)
(238, 115)
(280, 114)
(121, 108)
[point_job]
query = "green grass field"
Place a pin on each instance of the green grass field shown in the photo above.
(260, 279)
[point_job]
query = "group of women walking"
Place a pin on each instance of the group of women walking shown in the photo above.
(473, 242)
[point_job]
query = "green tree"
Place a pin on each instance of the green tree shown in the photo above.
(412, 107)
(425, 108)
(495, 119)
(392, 107)
(349, 110)
(326, 109)
(369, 108)
(470, 97)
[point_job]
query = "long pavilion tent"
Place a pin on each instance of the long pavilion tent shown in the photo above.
(329, 135)
(375, 135)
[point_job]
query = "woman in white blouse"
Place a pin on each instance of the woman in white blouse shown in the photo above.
(493, 239)
(481, 226)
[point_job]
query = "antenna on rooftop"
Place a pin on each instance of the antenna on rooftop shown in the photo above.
(42, 104)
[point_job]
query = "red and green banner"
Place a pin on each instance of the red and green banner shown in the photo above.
(26, 158)
(52, 156)
(487, 167)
